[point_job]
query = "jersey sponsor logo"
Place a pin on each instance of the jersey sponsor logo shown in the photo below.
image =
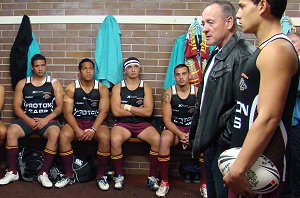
(38, 105)
(131, 96)
(243, 85)
(80, 112)
(46, 95)
(37, 92)
(241, 110)
(182, 121)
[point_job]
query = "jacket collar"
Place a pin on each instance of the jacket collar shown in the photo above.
(229, 46)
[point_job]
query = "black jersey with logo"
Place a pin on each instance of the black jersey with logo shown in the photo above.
(183, 109)
(38, 101)
(246, 110)
(86, 105)
(134, 98)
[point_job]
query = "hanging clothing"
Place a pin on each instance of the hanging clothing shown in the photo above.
(19, 52)
(287, 25)
(177, 57)
(108, 53)
(196, 52)
(33, 50)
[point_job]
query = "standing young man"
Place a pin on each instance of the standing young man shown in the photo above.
(132, 106)
(86, 104)
(178, 104)
(42, 99)
(268, 89)
(211, 126)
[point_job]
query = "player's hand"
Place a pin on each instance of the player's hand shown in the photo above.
(89, 134)
(184, 138)
(238, 183)
(32, 124)
(41, 122)
(80, 134)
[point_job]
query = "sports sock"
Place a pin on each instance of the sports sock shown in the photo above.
(67, 159)
(102, 158)
(117, 162)
(164, 166)
(48, 157)
(153, 163)
(12, 155)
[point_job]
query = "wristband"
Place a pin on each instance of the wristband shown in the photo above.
(127, 107)
(93, 129)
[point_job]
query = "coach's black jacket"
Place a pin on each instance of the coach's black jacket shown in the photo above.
(217, 114)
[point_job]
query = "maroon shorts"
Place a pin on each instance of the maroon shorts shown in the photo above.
(134, 128)
(86, 124)
(184, 129)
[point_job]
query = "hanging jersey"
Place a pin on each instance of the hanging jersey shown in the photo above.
(86, 105)
(183, 109)
(38, 101)
(246, 109)
(134, 98)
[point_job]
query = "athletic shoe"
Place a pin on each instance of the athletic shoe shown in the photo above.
(9, 177)
(102, 183)
(163, 189)
(44, 180)
(203, 190)
(152, 183)
(65, 180)
(119, 182)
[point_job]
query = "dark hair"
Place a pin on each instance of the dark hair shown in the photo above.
(37, 57)
(277, 7)
(84, 61)
(181, 66)
(227, 8)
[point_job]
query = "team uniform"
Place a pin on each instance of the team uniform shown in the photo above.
(86, 105)
(85, 111)
(182, 112)
(183, 109)
(135, 124)
(38, 102)
(246, 111)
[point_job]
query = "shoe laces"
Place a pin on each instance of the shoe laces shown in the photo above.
(119, 178)
(102, 180)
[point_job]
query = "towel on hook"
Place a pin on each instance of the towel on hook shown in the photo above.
(108, 53)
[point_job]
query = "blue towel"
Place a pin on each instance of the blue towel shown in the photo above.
(177, 57)
(33, 49)
(108, 53)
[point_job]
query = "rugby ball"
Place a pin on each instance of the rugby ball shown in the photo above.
(263, 176)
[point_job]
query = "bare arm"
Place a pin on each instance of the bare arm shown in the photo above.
(103, 106)
(2, 96)
(116, 107)
(58, 94)
(68, 106)
(167, 114)
(269, 111)
(17, 104)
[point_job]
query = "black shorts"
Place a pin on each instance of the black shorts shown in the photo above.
(28, 131)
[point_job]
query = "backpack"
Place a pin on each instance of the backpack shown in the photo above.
(29, 163)
(83, 170)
